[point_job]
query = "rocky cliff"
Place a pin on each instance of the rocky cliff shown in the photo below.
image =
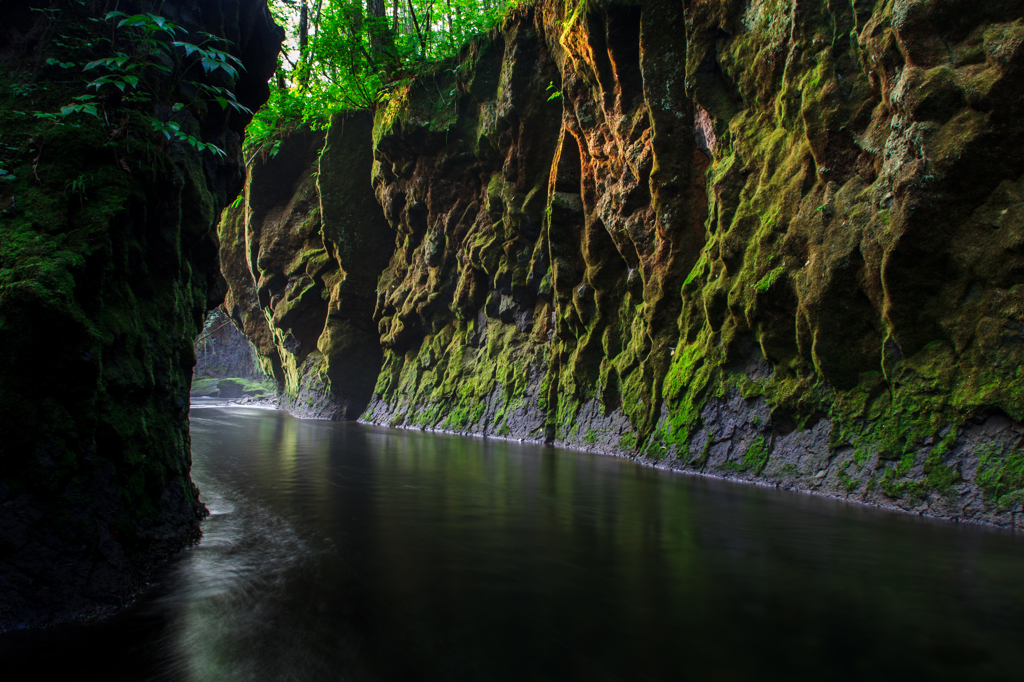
(767, 240)
(302, 254)
(108, 264)
(771, 240)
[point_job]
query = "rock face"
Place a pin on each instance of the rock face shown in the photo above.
(302, 255)
(108, 264)
(772, 241)
(222, 350)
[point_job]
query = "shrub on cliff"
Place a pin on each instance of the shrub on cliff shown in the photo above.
(345, 55)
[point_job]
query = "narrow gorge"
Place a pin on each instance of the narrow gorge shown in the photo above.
(773, 241)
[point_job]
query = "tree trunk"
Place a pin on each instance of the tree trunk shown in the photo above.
(416, 24)
(382, 40)
(303, 44)
(303, 28)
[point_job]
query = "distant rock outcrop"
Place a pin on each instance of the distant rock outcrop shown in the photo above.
(222, 350)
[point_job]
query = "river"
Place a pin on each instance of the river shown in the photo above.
(339, 551)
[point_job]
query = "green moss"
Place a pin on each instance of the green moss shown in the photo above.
(206, 385)
(893, 480)
(766, 282)
(477, 412)
(1001, 474)
(754, 459)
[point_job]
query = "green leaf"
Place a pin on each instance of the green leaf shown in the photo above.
(210, 36)
(111, 63)
(77, 109)
(188, 47)
(135, 20)
(211, 65)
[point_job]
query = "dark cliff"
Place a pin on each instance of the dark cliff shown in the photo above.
(108, 264)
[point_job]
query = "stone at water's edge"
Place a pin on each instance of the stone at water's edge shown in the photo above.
(743, 239)
(108, 264)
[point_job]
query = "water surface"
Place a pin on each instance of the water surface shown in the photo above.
(345, 552)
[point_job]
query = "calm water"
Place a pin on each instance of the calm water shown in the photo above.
(346, 552)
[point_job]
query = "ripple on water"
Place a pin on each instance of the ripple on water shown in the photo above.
(228, 594)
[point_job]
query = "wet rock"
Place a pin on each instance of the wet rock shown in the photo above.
(302, 255)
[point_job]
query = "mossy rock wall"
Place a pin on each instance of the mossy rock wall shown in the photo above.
(302, 253)
(108, 264)
(755, 240)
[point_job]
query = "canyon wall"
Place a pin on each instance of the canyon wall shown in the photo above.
(770, 240)
(773, 241)
(108, 264)
(301, 254)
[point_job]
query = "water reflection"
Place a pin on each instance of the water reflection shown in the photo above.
(337, 551)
